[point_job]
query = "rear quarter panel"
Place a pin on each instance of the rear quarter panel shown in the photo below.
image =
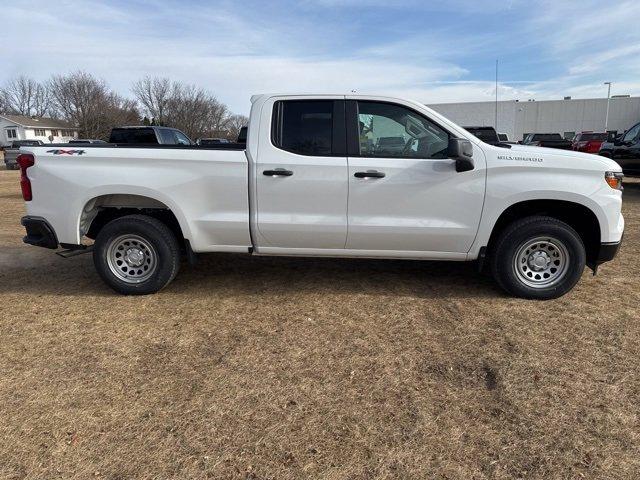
(205, 189)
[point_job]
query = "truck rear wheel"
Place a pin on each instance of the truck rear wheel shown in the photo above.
(538, 257)
(136, 255)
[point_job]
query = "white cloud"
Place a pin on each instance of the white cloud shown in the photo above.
(232, 54)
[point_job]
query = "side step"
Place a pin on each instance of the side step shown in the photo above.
(74, 252)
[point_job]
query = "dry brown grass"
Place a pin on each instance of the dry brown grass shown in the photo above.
(290, 368)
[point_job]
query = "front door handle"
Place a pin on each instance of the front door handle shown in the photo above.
(369, 174)
(278, 172)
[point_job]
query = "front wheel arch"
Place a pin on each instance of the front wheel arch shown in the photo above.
(579, 217)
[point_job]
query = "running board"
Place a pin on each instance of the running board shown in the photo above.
(74, 252)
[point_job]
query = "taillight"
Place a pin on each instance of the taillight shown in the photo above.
(25, 160)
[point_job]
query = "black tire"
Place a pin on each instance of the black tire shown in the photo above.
(146, 234)
(546, 234)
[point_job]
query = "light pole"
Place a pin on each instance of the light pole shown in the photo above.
(606, 118)
(496, 122)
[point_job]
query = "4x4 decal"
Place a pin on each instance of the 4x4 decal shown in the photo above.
(66, 152)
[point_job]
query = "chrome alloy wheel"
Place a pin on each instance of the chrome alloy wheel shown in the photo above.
(132, 258)
(541, 262)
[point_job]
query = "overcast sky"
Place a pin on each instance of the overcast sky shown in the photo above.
(433, 51)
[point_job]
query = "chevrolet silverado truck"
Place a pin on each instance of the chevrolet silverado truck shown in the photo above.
(312, 181)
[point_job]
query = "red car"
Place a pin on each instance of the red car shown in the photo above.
(588, 142)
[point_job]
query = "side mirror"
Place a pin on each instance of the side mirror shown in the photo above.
(461, 150)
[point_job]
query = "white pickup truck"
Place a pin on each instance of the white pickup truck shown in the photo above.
(336, 176)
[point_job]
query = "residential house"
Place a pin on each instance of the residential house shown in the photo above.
(49, 130)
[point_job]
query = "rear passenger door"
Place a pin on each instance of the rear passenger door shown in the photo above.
(301, 175)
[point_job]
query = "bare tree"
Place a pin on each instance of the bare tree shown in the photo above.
(189, 108)
(90, 104)
(25, 96)
(234, 124)
(154, 94)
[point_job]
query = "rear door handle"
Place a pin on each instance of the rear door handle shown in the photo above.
(278, 172)
(369, 174)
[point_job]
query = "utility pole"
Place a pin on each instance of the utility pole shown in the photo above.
(496, 121)
(606, 118)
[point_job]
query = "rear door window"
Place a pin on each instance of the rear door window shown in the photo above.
(181, 138)
(167, 136)
(304, 127)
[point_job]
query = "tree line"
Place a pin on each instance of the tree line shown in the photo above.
(94, 108)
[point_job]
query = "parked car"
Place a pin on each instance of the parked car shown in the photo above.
(549, 140)
(588, 142)
(486, 134)
(211, 141)
(303, 186)
(12, 151)
(85, 141)
(144, 135)
(625, 150)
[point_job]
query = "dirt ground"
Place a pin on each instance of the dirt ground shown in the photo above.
(271, 368)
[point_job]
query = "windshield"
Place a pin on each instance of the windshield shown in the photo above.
(547, 136)
(488, 135)
(584, 137)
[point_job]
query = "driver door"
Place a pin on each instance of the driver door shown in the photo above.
(404, 192)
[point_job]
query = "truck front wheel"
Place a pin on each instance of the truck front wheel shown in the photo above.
(538, 257)
(136, 255)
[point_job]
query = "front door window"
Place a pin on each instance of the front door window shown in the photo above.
(389, 130)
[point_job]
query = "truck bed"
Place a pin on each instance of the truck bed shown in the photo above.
(205, 188)
(220, 146)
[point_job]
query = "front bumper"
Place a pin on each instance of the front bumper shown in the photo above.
(607, 252)
(39, 232)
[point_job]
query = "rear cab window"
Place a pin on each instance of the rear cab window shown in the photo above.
(133, 135)
(309, 127)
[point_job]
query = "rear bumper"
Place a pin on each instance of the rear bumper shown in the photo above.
(39, 232)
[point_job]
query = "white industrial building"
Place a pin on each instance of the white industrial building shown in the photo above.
(566, 117)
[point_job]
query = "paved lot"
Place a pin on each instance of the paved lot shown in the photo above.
(292, 368)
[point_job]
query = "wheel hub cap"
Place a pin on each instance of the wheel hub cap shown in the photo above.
(134, 257)
(541, 262)
(131, 258)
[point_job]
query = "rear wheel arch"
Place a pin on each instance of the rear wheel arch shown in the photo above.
(102, 209)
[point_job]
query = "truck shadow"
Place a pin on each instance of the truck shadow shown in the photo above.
(229, 275)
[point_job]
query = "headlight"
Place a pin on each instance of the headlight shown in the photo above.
(614, 179)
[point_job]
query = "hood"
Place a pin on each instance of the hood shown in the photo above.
(586, 159)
